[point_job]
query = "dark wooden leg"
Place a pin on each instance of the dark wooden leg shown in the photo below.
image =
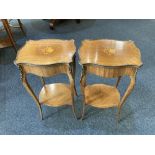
(21, 26)
(73, 73)
(69, 74)
(118, 80)
(83, 85)
(52, 24)
(9, 32)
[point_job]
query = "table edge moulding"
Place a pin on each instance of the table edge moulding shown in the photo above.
(56, 94)
(103, 58)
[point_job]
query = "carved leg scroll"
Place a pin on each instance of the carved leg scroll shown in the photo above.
(69, 73)
(42, 81)
(29, 89)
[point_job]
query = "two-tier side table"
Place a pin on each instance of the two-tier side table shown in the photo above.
(108, 59)
(46, 58)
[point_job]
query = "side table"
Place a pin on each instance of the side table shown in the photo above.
(108, 59)
(46, 58)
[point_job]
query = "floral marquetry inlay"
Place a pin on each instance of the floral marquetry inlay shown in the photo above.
(47, 50)
(108, 59)
(109, 51)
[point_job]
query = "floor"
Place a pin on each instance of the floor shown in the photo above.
(19, 113)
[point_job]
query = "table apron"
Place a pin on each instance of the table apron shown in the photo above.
(111, 72)
(45, 71)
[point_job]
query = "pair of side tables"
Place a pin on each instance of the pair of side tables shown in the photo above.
(105, 58)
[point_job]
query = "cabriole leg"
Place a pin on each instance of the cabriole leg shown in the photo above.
(83, 84)
(127, 93)
(69, 73)
(29, 90)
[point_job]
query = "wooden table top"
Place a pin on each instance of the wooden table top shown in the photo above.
(46, 52)
(110, 53)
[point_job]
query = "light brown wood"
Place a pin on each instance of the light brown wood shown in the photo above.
(45, 70)
(57, 94)
(46, 52)
(50, 70)
(51, 94)
(111, 72)
(101, 96)
(108, 59)
(110, 53)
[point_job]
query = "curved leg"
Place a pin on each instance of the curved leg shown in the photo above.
(127, 92)
(29, 89)
(69, 73)
(118, 80)
(83, 84)
(73, 73)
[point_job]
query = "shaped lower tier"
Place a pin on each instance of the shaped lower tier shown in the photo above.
(101, 96)
(55, 95)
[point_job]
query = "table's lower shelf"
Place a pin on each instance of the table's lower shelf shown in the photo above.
(102, 96)
(55, 95)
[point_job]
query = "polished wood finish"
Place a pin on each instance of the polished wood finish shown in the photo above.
(101, 96)
(46, 52)
(108, 59)
(110, 53)
(53, 57)
(111, 72)
(46, 70)
(53, 95)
